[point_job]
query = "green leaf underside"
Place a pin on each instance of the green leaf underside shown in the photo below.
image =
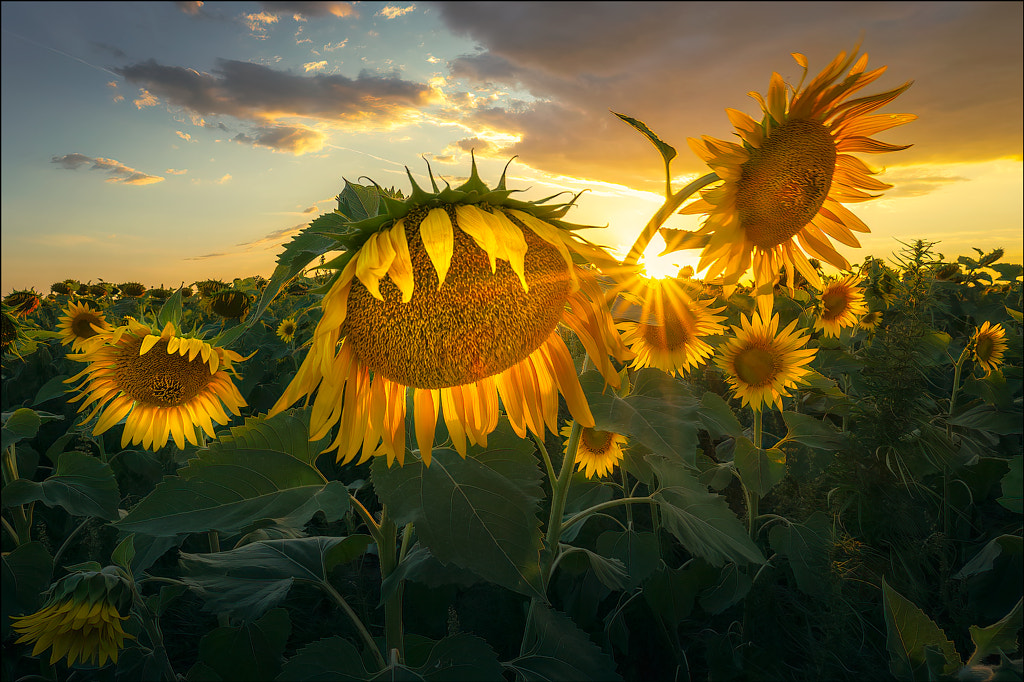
(562, 652)
(82, 485)
(1000, 636)
(910, 632)
(248, 652)
(806, 547)
(759, 469)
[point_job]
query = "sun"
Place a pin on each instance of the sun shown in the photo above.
(659, 266)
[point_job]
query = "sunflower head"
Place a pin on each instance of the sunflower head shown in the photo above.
(65, 288)
(597, 452)
(761, 363)
(783, 188)
(840, 305)
(81, 323)
(163, 384)
(209, 287)
(456, 295)
(989, 343)
(230, 304)
(100, 290)
(160, 294)
(286, 330)
(131, 289)
(22, 303)
(187, 292)
(297, 288)
(81, 618)
(947, 271)
(870, 321)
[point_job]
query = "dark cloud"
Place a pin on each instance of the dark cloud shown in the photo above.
(292, 139)
(245, 90)
(678, 66)
(115, 170)
(190, 7)
(116, 52)
(311, 10)
(206, 256)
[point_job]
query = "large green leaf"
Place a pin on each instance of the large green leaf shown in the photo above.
(985, 559)
(230, 486)
(81, 484)
(717, 417)
(333, 659)
(423, 567)
(991, 419)
(1001, 636)
(610, 572)
(1012, 486)
(759, 469)
(26, 575)
(910, 633)
(700, 520)
(252, 651)
(806, 547)
(659, 412)
(287, 432)
(638, 551)
(479, 513)
(813, 432)
(731, 586)
(253, 578)
(561, 651)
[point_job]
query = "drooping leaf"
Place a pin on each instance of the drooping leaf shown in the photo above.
(252, 651)
(54, 388)
(700, 520)
(812, 432)
(423, 567)
(610, 572)
(1001, 636)
(984, 560)
(561, 651)
(667, 151)
(910, 631)
(255, 577)
(806, 546)
(659, 412)
(81, 484)
(26, 575)
(469, 512)
(638, 551)
(732, 586)
(461, 658)
(1012, 485)
(990, 418)
(759, 469)
(717, 417)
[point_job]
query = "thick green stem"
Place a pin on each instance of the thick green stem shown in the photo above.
(67, 541)
(958, 368)
(751, 496)
(559, 495)
(581, 516)
(394, 633)
(22, 519)
(360, 628)
(670, 206)
(152, 627)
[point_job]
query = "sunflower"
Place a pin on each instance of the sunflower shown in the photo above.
(81, 323)
(230, 304)
(841, 304)
(286, 330)
(598, 451)
(783, 188)
(989, 345)
(669, 334)
(763, 365)
(65, 288)
(131, 289)
(80, 620)
(870, 321)
(456, 296)
(22, 303)
(164, 384)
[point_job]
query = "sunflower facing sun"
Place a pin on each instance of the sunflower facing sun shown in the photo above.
(989, 346)
(783, 188)
(457, 297)
(166, 385)
(81, 323)
(841, 304)
(597, 452)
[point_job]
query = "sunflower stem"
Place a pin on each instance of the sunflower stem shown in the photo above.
(547, 459)
(671, 205)
(69, 538)
(152, 627)
(590, 511)
(22, 520)
(751, 496)
(360, 628)
(394, 634)
(956, 388)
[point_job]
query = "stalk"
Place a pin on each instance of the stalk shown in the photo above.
(671, 205)
(394, 633)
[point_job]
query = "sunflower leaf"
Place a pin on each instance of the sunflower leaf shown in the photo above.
(81, 485)
(479, 513)
(759, 469)
(285, 432)
(667, 151)
(252, 651)
(806, 546)
(998, 636)
(561, 651)
(910, 633)
(26, 575)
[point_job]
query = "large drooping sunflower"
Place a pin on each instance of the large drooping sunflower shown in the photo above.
(783, 188)
(22, 303)
(455, 296)
(164, 384)
(841, 304)
(989, 346)
(598, 451)
(762, 365)
(81, 323)
(670, 332)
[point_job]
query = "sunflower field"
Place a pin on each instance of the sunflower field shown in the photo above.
(450, 438)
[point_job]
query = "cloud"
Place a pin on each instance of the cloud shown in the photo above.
(258, 23)
(909, 182)
(391, 12)
(253, 91)
(331, 47)
(206, 256)
(314, 66)
(190, 7)
(172, 171)
(184, 136)
(310, 209)
(312, 9)
(275, 238)
(225, 179)
(295, 140)
(116, 171)
(146, 99)
(678, 66)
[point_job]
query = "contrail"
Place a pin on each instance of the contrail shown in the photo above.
(60, 52)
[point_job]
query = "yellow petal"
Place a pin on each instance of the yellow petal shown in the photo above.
(438, 241)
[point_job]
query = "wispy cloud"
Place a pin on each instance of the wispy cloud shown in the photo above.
(116, 171)
(259, 22)
(172, 171)
(297, 140)
(311, 9)
(190, 7)
(146, 99)
(184, 136)
(314, 66)
(391, 11)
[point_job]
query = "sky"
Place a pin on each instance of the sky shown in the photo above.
(170, 142)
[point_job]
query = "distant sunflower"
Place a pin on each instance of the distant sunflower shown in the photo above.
(870, 321)
(456, 296)
(989, 346)
(670, 332)
(22, 303)
(762, 365)
(598, 451)
(81, 323)
(286, 330)
(164, 384)
(131, 289)
(784, 187)
(841, 304)
(230, 304)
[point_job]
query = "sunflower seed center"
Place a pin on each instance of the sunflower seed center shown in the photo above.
(595, 440)
(785, 182)
(81, 326)
(756, 366)
(160, 379)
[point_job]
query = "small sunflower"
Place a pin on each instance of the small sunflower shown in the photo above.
(81, 323)
(22, 303)
(230, 304)
(672, 326)
(870, 321)
(286, 330)
(81, 619)
(598, 451)
(763, 365)
(989, 346)
(164, 384)
(457, 297)
(784, 187)
(841, 304)
(65, 288)
(131, 289)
